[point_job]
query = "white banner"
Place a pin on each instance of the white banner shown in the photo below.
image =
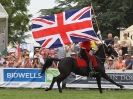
(26, 77)
(124, 78)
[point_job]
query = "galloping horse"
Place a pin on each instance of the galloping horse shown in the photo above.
(69, 64)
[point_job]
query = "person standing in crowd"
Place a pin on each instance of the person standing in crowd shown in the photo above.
(26, 63)
(36, 63)
(117, 46)
(11, 62)
(125, 44)
(52, 53)
(109, 39)
(18, 62)
(61, 52)
(1, 60)
(37, 53)
(128, 62)
(116, 41)
(5, 63)
(76, 48)
(25, 51)
(109, 63)
(69, 49)
(119, 63)
(132, 61)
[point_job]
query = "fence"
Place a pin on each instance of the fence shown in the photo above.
(32, 78)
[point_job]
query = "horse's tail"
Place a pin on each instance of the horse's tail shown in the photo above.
(48, 63)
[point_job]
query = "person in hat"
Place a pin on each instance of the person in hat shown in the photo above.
(119, 63)
(110, 63)
(125, 44)
(86, 54)
(128, 62)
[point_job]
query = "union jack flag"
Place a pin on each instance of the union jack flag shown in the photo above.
(64, 28)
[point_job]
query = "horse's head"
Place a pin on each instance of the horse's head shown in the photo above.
(104, 50)
(111, 51)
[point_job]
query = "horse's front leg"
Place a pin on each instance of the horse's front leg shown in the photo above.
(98, 78)
(52, 84)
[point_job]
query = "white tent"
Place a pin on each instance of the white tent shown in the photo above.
(3, 28)
(130, 29)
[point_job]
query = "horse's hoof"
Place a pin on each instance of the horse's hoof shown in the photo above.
(60, 91)
(47, 89)
(101, 91)
(121, 87)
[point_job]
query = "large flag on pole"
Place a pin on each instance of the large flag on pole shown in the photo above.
(70, 26)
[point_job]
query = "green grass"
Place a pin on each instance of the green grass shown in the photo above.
(67, 94)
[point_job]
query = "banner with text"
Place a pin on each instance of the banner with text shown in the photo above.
(26, 77)
(122, 77)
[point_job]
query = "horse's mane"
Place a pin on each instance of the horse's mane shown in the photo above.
(101, 49)
(48, 63)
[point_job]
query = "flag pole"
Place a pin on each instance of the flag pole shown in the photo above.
(99, 32)
(95, 17)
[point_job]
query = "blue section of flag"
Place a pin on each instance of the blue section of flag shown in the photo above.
(36, 26)
(68, 13)
(51, 17)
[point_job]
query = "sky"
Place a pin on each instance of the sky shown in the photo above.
(36, 5)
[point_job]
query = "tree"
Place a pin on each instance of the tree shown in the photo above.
(110, 14)
(18, 19)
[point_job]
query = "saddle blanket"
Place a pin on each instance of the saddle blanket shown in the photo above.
(81, 63)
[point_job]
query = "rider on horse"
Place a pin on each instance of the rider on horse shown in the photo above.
(87, 55)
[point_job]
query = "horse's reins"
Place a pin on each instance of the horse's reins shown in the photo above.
(99, 33)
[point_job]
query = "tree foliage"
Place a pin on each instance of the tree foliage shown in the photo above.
(110, 14)
(18, 19)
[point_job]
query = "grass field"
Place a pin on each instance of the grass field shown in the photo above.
(67, 94)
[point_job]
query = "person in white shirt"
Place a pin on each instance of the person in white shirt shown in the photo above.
(109, 64)
(125, 43)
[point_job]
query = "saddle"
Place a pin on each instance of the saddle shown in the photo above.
(81, 63)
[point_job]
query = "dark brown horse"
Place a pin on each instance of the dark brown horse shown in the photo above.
(69, 64)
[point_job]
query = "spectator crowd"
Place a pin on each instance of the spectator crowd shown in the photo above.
(24, 59)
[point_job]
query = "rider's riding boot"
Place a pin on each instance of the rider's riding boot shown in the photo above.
(92, 72)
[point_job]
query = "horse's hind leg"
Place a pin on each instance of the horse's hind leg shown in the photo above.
(104, 75)
(98, 78)
(60, 78)
(57, 79)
